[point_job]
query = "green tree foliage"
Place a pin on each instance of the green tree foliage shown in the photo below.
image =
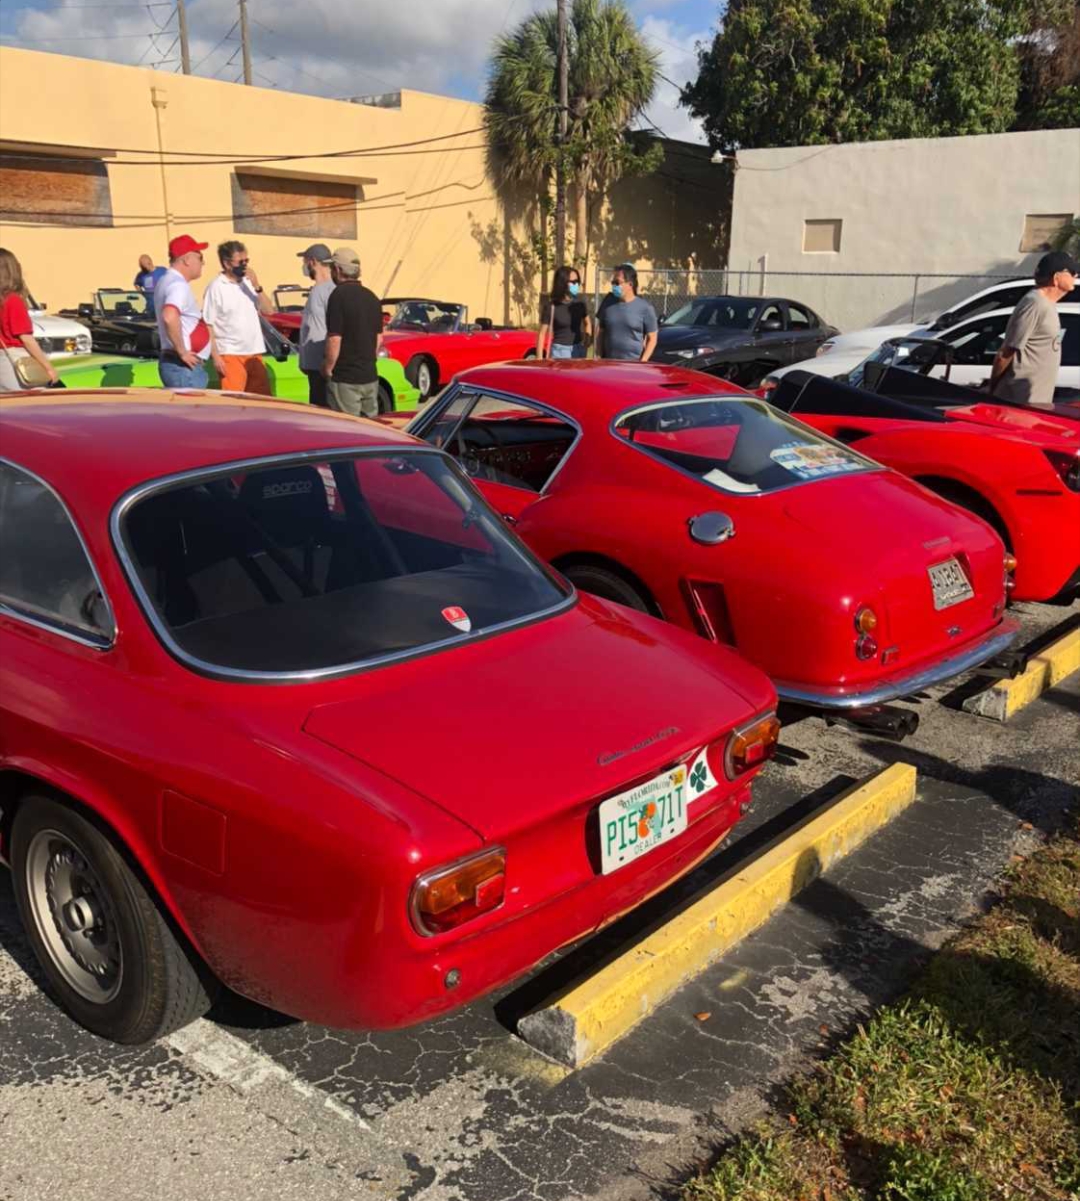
(803, 72)
(612, 77)
(1050, 66)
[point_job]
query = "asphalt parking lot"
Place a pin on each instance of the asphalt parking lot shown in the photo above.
(251, 1104)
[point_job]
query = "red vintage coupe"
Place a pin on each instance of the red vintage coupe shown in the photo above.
(1016, 466)
(284, 705)
(681, 495)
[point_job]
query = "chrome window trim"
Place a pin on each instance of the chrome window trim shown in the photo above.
(326, 454)
(871, 465)
(82, 635)
(455, 389)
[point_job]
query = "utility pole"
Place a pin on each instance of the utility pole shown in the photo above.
(185, 50)
(245, 41)
(560, 166)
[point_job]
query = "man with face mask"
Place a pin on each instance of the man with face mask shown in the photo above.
(316, 266)
(233, 305)
(628, 328)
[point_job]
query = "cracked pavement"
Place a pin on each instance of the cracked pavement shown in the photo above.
(252, 1104)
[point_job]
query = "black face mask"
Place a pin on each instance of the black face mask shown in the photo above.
(240, 270)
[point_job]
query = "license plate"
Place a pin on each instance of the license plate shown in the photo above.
(949, 583)
(634, 822)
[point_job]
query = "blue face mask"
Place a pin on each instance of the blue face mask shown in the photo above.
(616, 291)
(573, 289)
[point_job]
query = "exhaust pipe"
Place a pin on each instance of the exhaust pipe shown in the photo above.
(1007, 666)
(884, 721)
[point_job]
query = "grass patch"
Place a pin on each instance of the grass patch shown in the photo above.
(967, 1090)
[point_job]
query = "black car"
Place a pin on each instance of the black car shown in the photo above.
(740, 338)
(120, 321)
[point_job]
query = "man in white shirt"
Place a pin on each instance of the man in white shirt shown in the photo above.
(184, 338)
(233, 305)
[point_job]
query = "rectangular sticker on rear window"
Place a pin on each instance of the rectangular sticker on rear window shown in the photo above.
(814, 462)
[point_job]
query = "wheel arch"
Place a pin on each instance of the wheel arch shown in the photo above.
(419, 357)
(583, 558)
(970, 498)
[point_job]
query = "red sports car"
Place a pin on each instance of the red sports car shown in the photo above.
(433, 339)
(683, 496)
(284, 705)
(1016, 466)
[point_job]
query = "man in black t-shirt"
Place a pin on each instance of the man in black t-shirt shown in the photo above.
(353, 339)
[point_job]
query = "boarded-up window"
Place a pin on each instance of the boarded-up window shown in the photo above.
(1040, 229)
(822, 236)
(295, 208)
(54, 191)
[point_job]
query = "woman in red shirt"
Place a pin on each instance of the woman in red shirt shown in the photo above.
(17, 339)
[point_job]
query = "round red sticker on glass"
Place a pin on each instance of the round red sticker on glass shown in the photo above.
(458, 618)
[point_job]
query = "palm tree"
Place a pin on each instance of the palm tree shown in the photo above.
(612, 79)
(1068, 237)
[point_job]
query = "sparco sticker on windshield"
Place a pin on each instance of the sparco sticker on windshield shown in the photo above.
(458, 618)
(813, 462)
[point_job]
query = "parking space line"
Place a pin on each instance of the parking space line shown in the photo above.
(1049, 667)
(592, 1014)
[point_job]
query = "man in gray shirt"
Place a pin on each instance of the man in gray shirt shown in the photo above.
(627, 325)
(313, 323)
(1026, 367)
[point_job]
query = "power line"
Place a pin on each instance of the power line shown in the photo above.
(95, 37)
(221, 43)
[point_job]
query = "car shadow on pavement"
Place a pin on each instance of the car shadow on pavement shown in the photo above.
(589, 955)
(12, 939)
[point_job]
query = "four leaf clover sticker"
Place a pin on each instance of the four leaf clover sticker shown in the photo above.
(697, 778)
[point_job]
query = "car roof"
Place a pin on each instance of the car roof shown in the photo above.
(420, 300)
(756, 299)
(1069, 309)
(122, 437)
(590, 389)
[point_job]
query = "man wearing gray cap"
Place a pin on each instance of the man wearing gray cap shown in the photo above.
(353, 339)
(316, 267)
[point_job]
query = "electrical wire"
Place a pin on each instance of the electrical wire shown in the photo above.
(209, 54)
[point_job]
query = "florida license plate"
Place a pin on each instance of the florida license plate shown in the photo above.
(949, 583)
(636, 821)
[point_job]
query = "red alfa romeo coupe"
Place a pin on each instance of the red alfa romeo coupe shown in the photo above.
(681, 495)
(286, 706)
(1014, 465)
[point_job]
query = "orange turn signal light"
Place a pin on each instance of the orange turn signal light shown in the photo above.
(866, 620)
(751, 745)
(1010, 563)
(448, 896)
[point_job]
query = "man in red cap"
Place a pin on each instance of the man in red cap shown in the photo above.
(184, 336)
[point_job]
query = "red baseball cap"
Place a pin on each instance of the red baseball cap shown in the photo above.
(184, 244)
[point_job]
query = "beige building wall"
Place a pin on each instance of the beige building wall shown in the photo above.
(935, 205)
(428, 219)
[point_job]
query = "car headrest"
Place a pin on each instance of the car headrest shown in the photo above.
(289, 504)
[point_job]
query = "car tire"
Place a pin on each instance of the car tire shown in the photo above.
(108, 955)
(423, 375)
(607, 584)
(386, 397)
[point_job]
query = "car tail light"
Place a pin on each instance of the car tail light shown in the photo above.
(1010, 569)
(1067, 466)
(751, 745)
(449, 896)
(865, 620)
(708, 607)
(865, 647)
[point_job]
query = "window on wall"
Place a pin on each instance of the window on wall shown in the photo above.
(306, 208)
(822, 235)
(53, 190)
(1040, 229)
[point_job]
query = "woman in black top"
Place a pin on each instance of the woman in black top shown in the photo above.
(565, 324)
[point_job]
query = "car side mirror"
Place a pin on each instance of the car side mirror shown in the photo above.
(771, 326)
(710, 529)
(86, 310)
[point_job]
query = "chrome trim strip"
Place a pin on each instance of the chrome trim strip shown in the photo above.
(674, 398)
(944, 669)
(107, 640)
(216, 671)
(451, 392)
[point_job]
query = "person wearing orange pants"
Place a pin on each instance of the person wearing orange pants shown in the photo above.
(233, 307)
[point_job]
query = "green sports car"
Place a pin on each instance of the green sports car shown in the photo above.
(286, 379)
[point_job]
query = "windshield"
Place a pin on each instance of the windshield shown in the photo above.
(123, 304)
(740, 446)
(431, 315)
(717, 312)
(290, 298)
(910, 354)
(323, 565)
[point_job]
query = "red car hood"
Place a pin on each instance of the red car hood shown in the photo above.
(546, 719)
(1043, 428)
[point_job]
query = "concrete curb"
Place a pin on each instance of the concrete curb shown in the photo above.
(589, 1016)
(1044, 670)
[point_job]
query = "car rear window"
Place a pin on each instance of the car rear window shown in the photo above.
(741, 446)
(326, 565)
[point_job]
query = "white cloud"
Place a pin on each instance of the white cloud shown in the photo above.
(677, 48)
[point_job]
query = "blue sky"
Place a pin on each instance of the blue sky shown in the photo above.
(340, 48)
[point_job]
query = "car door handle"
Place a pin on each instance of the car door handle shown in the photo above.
(509, 518)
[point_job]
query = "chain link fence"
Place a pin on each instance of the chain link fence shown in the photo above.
(848, 300)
